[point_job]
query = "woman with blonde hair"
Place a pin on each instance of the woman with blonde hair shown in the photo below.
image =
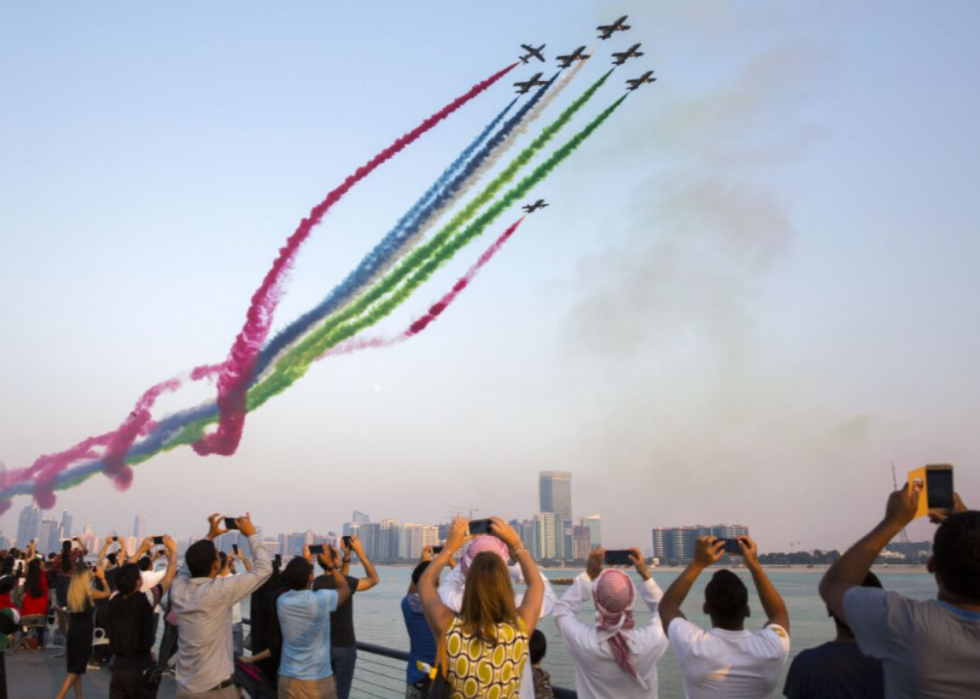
(486, 644)
(81, 625)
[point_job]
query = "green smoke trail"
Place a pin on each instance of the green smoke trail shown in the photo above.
(294, 365)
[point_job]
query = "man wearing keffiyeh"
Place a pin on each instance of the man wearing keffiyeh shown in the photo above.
(613, 658)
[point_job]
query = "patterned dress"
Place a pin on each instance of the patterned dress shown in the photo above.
(490, 671)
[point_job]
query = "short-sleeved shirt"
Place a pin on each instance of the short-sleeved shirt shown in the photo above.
(304, 619)
(835, 670)
(421, 641)
(927, 648)
(342, 620)
(720, 664)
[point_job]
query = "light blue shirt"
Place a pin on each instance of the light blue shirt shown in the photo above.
(304, 617)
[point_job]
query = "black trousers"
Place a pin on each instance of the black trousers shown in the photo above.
(128, 684)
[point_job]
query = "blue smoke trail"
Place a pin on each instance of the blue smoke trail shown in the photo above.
(396, 238)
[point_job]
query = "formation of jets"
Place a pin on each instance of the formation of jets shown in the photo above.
(532, 53)
(523, 87)
(539, 204)
(576, 55)
(645, 79)
(607, 30)
(623, 56)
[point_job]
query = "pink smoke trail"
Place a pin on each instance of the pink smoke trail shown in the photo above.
(236, 372)
(434, 311)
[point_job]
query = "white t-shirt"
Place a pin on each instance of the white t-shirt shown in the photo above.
(719, 664)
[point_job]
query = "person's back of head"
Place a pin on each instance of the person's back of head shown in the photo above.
(537, 647)
(843, 630)
(956, 558)
(66, 556)
(35, 576)
(419, 570)
(80, 589)
(128, 579)
(201, 559)
(726, 601)
(111, 557)
(145, 563)
(488, 598)
(298, 574)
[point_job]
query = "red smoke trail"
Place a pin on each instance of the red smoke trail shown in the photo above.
(435, 310)
(236, 372)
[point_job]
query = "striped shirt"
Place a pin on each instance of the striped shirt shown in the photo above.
(203, 607)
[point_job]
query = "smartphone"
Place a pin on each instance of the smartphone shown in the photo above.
(618, 558)
(348, 542)
(436, 550)
(234, 547)
(277, 561)
(230, 523)
(939, 488)
(481, 526)
(116, 539)
(158, 541)
(732, 547)
(317, 549)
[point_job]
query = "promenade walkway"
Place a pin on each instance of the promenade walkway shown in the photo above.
(38, 675)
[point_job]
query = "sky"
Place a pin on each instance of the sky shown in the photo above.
(754, 290)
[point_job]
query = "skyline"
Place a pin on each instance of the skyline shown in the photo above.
(752, 291)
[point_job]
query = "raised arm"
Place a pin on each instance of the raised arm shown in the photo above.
(145, 546)
(240, 586)
(372, 578)
(214, 526)
(852, 568)
(170, 574)
(245, 562)
(436, 612)
(772, 601)
(709, 550)
(345, 561)
(530, 608)
(105, 549)
(426, 556)
(122, 557)
(576, 633)
(650, 592)
(333, 568)
(105, 592)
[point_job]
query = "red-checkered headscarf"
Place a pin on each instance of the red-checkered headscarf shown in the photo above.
(613, 595)
(486, 542)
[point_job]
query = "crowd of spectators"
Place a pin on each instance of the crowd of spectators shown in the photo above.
(474, 632)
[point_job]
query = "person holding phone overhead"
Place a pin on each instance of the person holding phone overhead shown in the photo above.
(486, 641)
(343, 642)
(613, 658)
(928, 648)
(203, 605)
(453, 589)
(728, 661)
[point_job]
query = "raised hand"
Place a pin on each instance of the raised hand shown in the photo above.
(214, 526)
(708, 550)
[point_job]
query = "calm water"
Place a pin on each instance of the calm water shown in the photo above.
(377, 615)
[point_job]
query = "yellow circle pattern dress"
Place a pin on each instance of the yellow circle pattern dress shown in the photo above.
(478, 669)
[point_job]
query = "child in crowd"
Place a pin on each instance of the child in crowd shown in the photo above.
(542, 680)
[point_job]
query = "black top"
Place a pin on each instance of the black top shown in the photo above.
(342, 620)
(130, 626)
(835, 670)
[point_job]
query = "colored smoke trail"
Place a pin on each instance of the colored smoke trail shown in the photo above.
(297, 362)
(237, 371)
(434, 311)
(187, 426)
(390, 246)
(419, 255)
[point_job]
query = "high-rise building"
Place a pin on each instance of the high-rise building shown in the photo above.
(594, 525)
(581, 542)
(47, 538)
(65, 525)
(28, 525)
(555, 492)
(357, 519)
(416, 537)
(545, 531)
(139, 527)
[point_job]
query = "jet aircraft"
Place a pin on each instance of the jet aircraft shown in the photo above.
(539, 204)
(522, 88)
(607, 30)
(644, 79)
(532, 53)
(576, 55)
(631, 52)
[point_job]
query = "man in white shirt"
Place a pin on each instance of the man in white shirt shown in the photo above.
(451, 591)
(612, 658)
(727, 662)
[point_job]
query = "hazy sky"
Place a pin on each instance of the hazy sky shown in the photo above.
(756, 285)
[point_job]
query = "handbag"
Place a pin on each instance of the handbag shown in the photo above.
(438, 685)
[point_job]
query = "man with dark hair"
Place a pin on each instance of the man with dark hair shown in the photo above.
(305, 671)
(927, 648)
(422, 645)
(203, 605)
(728, 660)
(837, 669)
(343, 642)
(131, 628)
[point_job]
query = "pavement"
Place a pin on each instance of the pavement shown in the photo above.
(38, 674)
